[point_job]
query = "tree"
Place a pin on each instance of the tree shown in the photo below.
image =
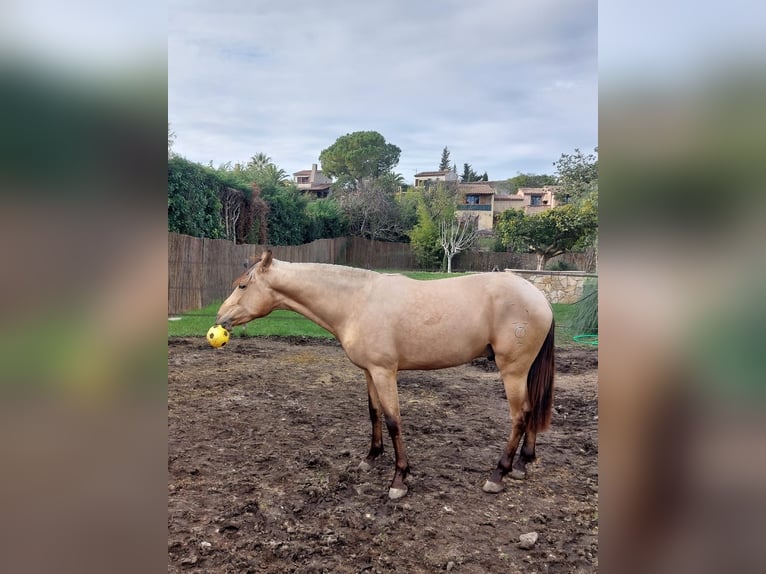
(424, 237)
(232, 200)
(435, 204)
(530, 180)
(244, 211)
(444, 163)
(270, 174)
(359, 155)
(469, 174)
(393, 181)
(456, 235)
(549, 233)
(258, 230)
(171, 139)
(373, 211)
(577, 176)
(259, 161)
(272, 210)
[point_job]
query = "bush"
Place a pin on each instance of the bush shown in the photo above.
(325, 220)
(585, 321)
(560, 265)
(194, 207)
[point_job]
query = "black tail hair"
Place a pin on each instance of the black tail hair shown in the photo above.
(540, 385)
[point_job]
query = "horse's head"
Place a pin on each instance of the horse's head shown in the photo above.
(252, 297)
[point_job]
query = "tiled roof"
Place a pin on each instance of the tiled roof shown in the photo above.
(476, 188)
(538, 190)
(432, 173)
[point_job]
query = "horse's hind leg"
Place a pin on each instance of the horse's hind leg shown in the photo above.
(376, 417)
(526, 454)
(515, 390)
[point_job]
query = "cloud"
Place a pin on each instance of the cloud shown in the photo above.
(289, 78)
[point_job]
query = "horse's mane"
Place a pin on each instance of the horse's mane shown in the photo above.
(325, 268)
(330, 268)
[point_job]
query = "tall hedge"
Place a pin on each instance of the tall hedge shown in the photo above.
(193, 204)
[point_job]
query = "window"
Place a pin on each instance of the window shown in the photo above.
(303, 179)
(535, 200)
(472, 199)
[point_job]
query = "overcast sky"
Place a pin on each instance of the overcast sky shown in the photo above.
(506, 85)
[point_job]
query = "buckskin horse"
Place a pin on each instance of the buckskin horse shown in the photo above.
(388, 323)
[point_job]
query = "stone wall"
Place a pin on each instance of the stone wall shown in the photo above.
(558, 286)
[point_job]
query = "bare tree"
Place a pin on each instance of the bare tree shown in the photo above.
(231, 207)
(372, 210)
(259, 212)
(171, 139)
(456, 235)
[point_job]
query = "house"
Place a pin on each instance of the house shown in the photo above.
(487, 199)
(427, 177)
(528, 199)
(477, 199)
(312, 181)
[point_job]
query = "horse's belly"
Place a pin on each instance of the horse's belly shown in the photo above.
(439, 354)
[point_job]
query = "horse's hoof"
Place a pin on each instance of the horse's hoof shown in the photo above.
(365, 466)
(492, 487)
(396, 493)
(517, 474)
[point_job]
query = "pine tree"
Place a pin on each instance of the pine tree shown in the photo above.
(469, 174)
(444, 164)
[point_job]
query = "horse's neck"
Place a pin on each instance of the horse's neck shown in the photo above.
(320, 293)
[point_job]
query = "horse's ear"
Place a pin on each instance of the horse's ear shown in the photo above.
(266, 259)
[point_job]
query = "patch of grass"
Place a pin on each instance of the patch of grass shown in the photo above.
(279, 323)
(290, 324)
(424, 275)
(564, 315)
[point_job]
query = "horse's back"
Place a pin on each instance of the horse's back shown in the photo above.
(413, 324)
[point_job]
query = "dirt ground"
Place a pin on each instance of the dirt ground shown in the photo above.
(265, 436)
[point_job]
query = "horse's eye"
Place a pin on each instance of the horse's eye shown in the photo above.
(243, 286)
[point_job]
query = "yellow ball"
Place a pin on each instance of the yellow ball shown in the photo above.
(217, 336)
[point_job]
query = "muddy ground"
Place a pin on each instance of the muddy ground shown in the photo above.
(265, 436)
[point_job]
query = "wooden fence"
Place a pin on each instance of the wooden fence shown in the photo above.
(200, 271)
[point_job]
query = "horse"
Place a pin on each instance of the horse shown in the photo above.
(388, 323)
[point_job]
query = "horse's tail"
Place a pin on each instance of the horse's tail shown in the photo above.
(540, 385)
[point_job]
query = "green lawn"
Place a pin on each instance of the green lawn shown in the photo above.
(425, 275)
(287, 323)
(282, 323)
(564, 315)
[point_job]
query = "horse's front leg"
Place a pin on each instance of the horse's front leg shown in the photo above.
(384, 382)
(376, 416)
